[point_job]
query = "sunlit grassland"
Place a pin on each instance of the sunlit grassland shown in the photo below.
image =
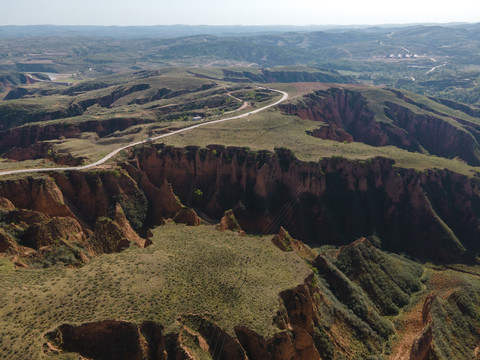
(185, 270)
(90, 146)
(27, 164)
(270, 129)
(265, 130)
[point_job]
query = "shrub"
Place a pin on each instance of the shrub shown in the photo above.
(135, 207)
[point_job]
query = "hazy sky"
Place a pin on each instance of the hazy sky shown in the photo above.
(240, 12)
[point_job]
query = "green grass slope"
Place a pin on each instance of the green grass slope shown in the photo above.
(185, 270)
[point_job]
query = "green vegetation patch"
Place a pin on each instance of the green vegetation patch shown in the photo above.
(388, 280)
(185, 270)
(455, 313)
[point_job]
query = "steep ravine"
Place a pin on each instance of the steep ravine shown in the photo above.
(351, 117)
(431, 214)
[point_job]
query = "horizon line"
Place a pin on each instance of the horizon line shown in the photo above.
(257, 25)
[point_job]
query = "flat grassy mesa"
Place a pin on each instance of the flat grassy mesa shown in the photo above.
(185, 270)
(271, 128)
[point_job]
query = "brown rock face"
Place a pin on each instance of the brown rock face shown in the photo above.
(210, 337)
(61, 213)
(229, 222)
(187, 216)
(285, 242)
(25, 136)
(431, 214)
(6, 205)
(7, 244)
(115, 235)
(422, 348)
(346, 112)
(331, 132)
(109, 237)
(126, 228)
(436, 135)
(347, 117)
(111, 339)
(56, 230)
(41, 150)
(297, 342)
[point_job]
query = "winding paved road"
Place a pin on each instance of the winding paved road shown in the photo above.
(116, 151)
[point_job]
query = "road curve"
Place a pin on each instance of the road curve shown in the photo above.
(116, 151)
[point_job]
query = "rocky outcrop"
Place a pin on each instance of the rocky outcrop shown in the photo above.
(201, 335)
(115, 235)
(187, 216)
(312, 326)
(109, 237)
(114, 339)
(422, 348)
(432, 214)
(285, 242)
(423, 345)
(126, 228)
(41, 195)
(229, 222)
(164, 203)
(297, 345)
(7, 243)
(55, 231)
(109, 339)
(331, 132)
(438, 136)
(6, 205)
(73, 216)
(450, 311)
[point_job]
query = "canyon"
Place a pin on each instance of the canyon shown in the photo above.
(428, 215)
(407, 124)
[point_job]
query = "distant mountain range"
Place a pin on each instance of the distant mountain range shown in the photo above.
(188, 30)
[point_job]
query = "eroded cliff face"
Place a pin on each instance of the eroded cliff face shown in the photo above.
(53, 220)
(334, 313)
(437, 136)
(42, 150)
(86, 213)
(348, 110)
(301, 336)
(296, 340)
(431, 214)
(26, 136)
(311, 323)
(346, 114)
(110, 339)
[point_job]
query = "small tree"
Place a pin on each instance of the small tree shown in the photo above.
(197, 196)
